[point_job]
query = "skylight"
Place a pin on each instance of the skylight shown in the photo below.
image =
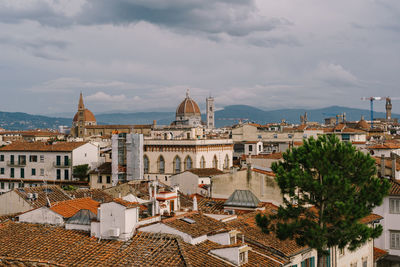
(190, 221)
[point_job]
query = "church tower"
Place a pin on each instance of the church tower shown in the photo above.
(82, 118)
(388, 108)
(210, 112)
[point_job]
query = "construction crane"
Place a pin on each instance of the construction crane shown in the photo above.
(378, 98)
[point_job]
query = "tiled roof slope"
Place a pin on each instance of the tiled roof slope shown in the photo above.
(95, 194)
(104, 168)
(57, 246)
(394, 188)
(388, 163)
(70, 207)
(203, 225)
(53, 192)
(246, 224)
(206, 172)
(379, 253)
(42, 146)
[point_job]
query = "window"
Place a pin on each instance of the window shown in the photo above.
(33, 172)
(58, 174)
(1, 157)
(290, 136)
(66, 174)
(161, 164)
(21, 185)
(58, 160)
(177, 164)
(146, 164)
(2, 185)
(365, 262)
(22, 159)
(12, 172)
(188, 163)
(394, 205)
(12, 159)
(394, 239)
(215, 162)
(99, 179)
(250, 148)
(1, 170)
(41, 158)
(226, 162)
(32, 158)
(22, 173)
(310, 262)
(108, 179)
(242, 257)
(233, 239)
(10, 186)
(346, 137)
(202, 162)
(275, 136)
(41, 172)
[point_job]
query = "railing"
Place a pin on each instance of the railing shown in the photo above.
(62, 164)
(16, 163)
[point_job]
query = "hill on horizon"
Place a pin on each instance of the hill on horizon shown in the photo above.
(227, 116)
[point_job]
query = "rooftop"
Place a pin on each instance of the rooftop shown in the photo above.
(53, 192)
(202, 172)
(242, 198)
(42, 146)
(68, 208)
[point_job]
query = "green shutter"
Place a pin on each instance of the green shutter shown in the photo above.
(312, 262)
(328, 259)
(303, 264)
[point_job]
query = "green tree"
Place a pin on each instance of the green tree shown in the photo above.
(327, 187)
(81, 172)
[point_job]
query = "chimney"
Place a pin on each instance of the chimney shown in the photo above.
(393, 173)
(382, 165)
(195, 203)
(154, 123)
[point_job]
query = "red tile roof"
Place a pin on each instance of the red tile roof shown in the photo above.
(42, 146)
(371, 218)
(69, 208)
(270, 173)
(385, 146)
(394, 188)
(379, 253)
(53, 192)
(203, 172)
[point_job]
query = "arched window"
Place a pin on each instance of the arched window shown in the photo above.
(161, 164)
(215, 162)
(177, 164)
(188, 163)
(146, 164)
(202, 162)
(226, 162)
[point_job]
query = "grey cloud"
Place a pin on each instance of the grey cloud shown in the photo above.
(234, 18)
(42, 48)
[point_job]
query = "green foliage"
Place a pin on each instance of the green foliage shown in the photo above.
(81, 172)
(69, 188)
(328, 186)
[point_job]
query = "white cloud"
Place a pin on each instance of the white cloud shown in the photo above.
(103, 97)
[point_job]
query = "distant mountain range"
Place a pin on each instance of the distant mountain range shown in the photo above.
(227, 116)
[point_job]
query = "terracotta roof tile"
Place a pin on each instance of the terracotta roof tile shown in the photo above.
(69, 208)
(379, 253)
(42, 146)
(95, 194)
(371, 218)
(206, 172)
(53, 192)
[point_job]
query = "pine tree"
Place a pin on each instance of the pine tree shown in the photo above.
(327, 187)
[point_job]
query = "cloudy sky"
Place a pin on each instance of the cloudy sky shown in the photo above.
(141, 55)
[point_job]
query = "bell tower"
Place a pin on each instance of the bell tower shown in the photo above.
(388, 108)
(81, 118)
(210, 112)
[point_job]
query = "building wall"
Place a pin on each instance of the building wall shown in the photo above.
(391, 221)
(262, 185)
(365, 252)
(297, 259)
(86, 154)
(42, 215)
(94, 181)
(223, 238)
(11, 202)
(195, 149)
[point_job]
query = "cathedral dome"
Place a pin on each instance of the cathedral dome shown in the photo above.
(362, 124)
(87, 115)
(188, 107)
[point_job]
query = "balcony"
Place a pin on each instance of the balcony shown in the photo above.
(16, 163)
(62, 164)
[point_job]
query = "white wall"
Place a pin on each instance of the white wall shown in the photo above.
(222, 238)
(86, 154)
(42, 215)
(364, 252)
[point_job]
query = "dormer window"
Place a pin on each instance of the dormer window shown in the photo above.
(243, 257)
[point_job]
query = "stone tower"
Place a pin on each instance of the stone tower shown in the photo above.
(81, 117)
(388, 108)
(210, 112)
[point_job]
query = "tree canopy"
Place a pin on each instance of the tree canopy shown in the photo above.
(81, 172)
(327, 187)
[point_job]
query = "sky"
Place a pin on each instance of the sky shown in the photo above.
(142, 55)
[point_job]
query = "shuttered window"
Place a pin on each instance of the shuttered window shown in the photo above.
(395, 239)
(394, 205)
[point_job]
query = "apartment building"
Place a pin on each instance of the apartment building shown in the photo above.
(32, 163)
